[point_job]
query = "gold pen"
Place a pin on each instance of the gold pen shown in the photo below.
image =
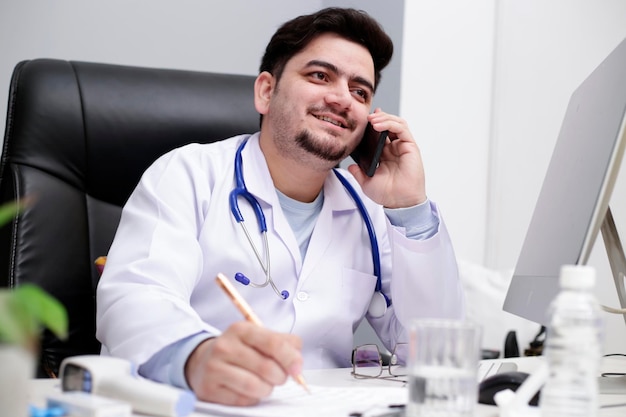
(247, 312)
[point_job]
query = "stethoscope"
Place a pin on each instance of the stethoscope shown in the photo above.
(378, 304)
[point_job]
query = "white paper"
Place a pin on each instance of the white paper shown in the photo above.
(292, 400)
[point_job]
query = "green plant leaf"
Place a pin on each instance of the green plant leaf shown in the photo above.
(10, 329)
(44, 308)
(8, 212)
(26, 309)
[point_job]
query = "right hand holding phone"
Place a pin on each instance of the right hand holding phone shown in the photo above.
(399, 179)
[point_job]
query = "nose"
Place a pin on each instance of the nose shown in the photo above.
(339, 96)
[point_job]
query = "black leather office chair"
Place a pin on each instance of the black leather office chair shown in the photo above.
(78, 137)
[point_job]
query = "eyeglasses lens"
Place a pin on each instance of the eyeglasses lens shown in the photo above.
(367, 360)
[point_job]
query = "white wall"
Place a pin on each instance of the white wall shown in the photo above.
(545, 49)
(485, 87)
(446, 99)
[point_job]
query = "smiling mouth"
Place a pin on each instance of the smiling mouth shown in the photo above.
(329, 120)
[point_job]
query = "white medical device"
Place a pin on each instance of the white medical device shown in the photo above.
(117, 378)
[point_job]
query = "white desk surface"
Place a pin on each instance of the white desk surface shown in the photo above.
(341, 377)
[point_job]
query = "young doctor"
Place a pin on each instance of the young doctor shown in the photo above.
(158, 303)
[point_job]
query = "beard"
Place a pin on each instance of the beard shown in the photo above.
(302, 145)
(314, 146)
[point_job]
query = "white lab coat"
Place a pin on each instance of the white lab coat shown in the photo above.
(177, 232)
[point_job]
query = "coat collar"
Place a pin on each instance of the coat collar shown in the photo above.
(259, 181)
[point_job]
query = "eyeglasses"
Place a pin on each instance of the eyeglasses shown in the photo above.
(368, 362)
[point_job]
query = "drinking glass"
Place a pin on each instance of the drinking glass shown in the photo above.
(442, 366)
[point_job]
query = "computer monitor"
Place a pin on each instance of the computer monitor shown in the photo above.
(573, 205)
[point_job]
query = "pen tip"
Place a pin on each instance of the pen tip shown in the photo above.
(300, 380)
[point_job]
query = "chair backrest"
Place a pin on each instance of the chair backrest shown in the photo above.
(78, 137)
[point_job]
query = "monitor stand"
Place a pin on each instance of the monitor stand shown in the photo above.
(615, 252)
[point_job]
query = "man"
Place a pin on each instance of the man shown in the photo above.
(158, 303)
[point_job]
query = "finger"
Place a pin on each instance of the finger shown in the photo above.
(398, 127)
(226, 384)
(212, 373)
(276, 349)
(249, 346)
(357, 173)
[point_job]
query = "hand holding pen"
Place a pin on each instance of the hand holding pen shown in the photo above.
(247, 312)
(243, 364)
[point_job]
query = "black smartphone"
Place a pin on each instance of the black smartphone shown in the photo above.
(368, 151)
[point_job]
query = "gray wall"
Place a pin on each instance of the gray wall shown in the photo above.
(187, 34)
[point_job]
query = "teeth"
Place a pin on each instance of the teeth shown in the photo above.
(329, 120)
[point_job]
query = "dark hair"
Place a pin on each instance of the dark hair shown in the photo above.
(351, 24)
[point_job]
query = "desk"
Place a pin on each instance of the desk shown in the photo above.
(341, 377)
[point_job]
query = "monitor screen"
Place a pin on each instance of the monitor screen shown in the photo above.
(576, 190)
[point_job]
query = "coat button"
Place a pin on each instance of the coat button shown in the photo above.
(302, 296)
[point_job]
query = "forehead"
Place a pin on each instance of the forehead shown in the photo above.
(349, 57)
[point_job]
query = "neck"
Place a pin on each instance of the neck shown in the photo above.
(293, 178)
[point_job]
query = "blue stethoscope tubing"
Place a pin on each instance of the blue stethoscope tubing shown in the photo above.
(379, 303)
(240, 190)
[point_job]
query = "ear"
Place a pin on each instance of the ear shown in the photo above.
(263, 89)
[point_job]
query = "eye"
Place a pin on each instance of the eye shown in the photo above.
(319, 75)
(363, 94)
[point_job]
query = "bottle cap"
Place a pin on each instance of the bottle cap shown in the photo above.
(577, 276)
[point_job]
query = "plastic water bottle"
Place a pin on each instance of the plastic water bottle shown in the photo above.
(573, 347)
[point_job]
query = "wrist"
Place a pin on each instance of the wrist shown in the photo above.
(407, 202)
(194, 360)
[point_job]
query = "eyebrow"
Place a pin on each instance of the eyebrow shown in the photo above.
(336, 70)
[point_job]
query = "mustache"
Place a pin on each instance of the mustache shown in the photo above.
(350, 123)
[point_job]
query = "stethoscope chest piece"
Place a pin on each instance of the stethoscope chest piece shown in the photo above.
(378, 305)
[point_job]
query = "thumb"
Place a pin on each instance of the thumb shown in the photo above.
(357, 173)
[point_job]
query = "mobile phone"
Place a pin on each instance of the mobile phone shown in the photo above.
(368, 151)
